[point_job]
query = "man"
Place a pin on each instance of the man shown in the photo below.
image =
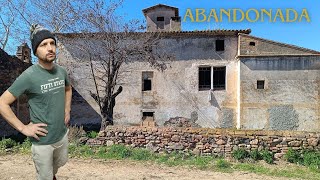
(49, 97)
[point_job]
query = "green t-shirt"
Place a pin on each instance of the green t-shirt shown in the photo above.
(45, 90)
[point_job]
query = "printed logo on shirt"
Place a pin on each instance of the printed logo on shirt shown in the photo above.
(53, 84)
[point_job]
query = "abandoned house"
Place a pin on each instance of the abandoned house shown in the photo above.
(218, 79)
(10, 68)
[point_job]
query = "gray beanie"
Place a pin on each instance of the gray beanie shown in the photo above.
(37, 35)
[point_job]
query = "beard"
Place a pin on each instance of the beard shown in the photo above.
(49, 58)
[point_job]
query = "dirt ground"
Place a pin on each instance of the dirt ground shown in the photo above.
(21, 167)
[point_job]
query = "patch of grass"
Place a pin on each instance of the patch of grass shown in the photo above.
(141, 155)
(118, 152)
(223, 164)
(310, 159)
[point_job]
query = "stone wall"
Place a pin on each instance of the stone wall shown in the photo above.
(10, 68)
(204, 141)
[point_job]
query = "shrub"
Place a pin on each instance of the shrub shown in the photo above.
(293, 156)
(267, 156)
(25, 147)
(240, 154)
(255, 155)
(311, 159)
(92, 134)
(6, 144)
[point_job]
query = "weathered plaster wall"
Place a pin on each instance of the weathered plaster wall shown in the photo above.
(154, 25)
(268, 47)
(291, 98)
(175, 91)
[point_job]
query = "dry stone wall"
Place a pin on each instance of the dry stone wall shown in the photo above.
(204, 141)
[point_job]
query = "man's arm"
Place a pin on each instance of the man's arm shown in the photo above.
(31, 130)
(68, 91)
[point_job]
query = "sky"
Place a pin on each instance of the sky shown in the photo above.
(304, 34)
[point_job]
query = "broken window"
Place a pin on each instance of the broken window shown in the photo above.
(212, 78)
(260, 84)
(147, 81)
(219, 45)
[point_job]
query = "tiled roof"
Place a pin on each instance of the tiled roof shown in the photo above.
(219, 32)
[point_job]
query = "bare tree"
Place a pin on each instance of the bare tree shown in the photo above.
(10, 21)
(111, 44)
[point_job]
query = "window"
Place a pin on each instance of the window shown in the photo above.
(212, 78)
(147, 81)
(252, 43)
(260, 84)
(219, 77)
(219, 45)
(204, 78)
(161, 18)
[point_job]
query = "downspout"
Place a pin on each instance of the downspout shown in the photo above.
(238, 87)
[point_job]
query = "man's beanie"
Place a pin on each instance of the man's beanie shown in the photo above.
(37, 35)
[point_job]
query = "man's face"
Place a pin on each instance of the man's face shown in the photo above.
(46, 50)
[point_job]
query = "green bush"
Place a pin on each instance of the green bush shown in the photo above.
(293, 156)
(240, 154)
(311, 159)
(92, 134)
(255, 155)
(6, 144)
(25, 147)
(267, 156)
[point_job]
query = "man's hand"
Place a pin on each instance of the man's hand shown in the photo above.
(33, 130)
(66, 118)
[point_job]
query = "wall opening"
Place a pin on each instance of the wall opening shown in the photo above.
(260, 84)
(148, 119)
(252, 43)
(147, 81)
(219, 45)
(160, 18)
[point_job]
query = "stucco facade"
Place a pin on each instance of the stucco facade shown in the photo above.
(219, 78)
